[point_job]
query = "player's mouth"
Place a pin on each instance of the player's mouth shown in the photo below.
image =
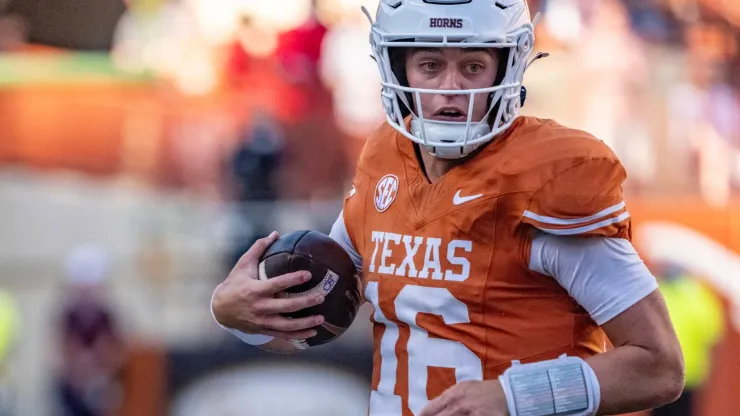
(450, 113)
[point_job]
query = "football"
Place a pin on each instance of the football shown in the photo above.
(332, 273)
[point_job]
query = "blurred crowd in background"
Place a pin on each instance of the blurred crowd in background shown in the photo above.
(653, 79)
(145, 144)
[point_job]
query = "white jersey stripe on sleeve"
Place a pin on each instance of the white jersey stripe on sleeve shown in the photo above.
(573, 221)
(586, 228)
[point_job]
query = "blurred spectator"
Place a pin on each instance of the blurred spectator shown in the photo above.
(251, 182)
(298, 55)
(697, 316)
(256, 159)
(92, 348)
(299, 50)
(238, 60)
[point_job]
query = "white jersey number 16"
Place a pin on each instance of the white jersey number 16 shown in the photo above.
(423, 351)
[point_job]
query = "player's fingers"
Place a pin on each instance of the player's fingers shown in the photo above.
(280, 283)
(280, 323)
(304, 334)
(275, 306)
(431, 409)
(435, 407)
(252, 256)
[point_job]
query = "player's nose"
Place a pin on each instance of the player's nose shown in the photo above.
(451, 79)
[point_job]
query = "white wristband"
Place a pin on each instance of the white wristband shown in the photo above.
(251, 339)
(564, 386)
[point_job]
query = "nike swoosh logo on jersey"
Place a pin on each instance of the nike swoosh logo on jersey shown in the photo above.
(459, 200)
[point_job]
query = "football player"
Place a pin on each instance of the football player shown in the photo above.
(495, 248)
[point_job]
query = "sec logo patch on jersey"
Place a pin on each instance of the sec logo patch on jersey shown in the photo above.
(385, 192)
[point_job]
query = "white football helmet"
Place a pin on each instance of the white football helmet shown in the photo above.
(504, 24)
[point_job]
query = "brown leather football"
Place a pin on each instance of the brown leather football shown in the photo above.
(332, 274)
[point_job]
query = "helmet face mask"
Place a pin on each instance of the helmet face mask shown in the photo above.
(475, 24)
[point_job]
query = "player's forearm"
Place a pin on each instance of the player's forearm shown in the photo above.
(634, 378)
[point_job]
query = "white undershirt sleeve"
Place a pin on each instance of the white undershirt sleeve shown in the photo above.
(339, 234)
(604, 275)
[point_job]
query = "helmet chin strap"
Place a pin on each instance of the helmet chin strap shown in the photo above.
(448, 132)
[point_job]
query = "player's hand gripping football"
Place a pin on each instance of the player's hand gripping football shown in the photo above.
(248, 304)
(470, 398)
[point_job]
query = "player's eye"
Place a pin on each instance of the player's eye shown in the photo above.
(430, 66)
(475, 68)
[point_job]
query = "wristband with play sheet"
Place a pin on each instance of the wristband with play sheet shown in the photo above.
(564, 386)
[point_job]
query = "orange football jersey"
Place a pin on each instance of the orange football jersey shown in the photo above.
(446, 265)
